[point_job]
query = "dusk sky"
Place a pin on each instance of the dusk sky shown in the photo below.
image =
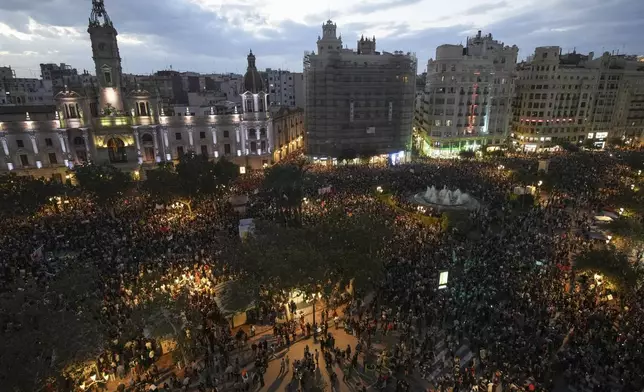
(215, 36)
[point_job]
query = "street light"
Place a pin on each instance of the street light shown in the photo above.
(540, 183)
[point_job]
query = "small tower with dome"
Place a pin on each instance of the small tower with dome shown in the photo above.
(254, 97)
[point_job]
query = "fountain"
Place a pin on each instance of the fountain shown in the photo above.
(445, 199)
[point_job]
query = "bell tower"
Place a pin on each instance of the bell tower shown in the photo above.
(105, 52)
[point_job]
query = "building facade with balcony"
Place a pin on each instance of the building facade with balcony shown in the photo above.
(106, 123)
(288, 132)
(574, 97)
(468, 95)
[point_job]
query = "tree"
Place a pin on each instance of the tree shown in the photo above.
(162, 185)
(630, 230)
(225, 172)
(467, 154)
(46, 329)
(347, 155)
(324, 258)
(25, 194)
(568, 146)
(284, 184)
(590, 144)
(616, 142)
(613, 265)
(105, 183)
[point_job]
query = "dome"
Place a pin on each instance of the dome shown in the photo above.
(253, 82)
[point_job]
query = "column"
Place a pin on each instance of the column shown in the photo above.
(190, 137)
(157, 157)
(5, 148)
(168, 156)
(87, 146)
(240, 146)
(139, 156)
(34, 145)
(255, 102)
(213, 130)
(62, 139)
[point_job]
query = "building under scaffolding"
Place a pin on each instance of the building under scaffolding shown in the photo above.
(358, 102)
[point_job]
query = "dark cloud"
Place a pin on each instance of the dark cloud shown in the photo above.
(190, 38)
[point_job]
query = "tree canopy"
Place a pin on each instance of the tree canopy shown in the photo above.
(47, 328)
(284, 184)
(105, 183)
(610, 263)
(195, 177)
(25, 194)
(341, 248)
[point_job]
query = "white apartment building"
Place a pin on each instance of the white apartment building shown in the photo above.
(573, 97)
(285, 89)
(468, 96)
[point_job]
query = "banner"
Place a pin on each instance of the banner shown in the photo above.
(37, 254)
(325, 190)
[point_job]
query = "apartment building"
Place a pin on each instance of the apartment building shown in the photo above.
(573, 97)
(358, 102)
(288, 132)
(468, 96)
(285, 88)
(24, 91)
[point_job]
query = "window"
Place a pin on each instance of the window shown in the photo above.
(204, 150)
(79, 141)
(262, 132)
(116, 150)
(108, 77)
(20, 143)
(24, 159)
(179, 151)
(226, 134)
(177, 136)
(227, 149)
(52, 158)
(202, 135)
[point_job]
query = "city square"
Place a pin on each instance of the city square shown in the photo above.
(362, 225)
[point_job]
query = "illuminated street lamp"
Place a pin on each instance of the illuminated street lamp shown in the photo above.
(379, 189)
(621, 210)
(539, 183)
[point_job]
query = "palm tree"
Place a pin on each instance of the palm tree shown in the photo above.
(284, 183)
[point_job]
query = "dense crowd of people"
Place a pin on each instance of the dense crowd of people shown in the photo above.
(512, 297)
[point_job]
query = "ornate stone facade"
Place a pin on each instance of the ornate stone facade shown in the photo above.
(109, 124)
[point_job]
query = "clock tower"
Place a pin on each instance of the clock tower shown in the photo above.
(105, 52)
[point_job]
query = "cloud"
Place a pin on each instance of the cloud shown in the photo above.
(214, 36)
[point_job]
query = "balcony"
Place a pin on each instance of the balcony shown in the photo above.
(113, 121)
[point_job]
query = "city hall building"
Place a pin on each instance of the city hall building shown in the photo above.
(109, 122)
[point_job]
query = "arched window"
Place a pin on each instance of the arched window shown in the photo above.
(147, 139)
(262, 132)
(252, 133)
(143, 111)
(79, 141)
(249, 105)
(116, 150)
